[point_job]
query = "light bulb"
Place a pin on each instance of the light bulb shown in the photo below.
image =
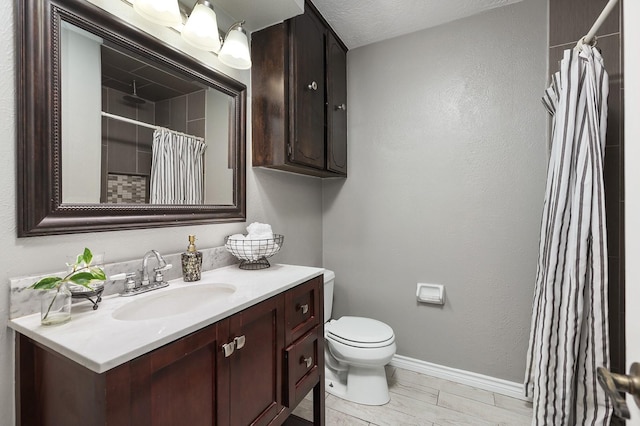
(235, 49)
(201, 29)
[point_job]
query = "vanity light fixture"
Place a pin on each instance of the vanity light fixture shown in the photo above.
(163, 12)
(201, 29)
(235, 49)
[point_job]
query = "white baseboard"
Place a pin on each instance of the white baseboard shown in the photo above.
(480, 381)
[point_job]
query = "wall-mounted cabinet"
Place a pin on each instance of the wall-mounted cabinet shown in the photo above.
(299, 92)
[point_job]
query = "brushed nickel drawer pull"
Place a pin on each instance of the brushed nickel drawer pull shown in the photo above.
(228, 348)
(341, 107)
(304, 308)
(239, 341)
(313, 86)
(307, 361)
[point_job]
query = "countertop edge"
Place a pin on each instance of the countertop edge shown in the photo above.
(99, 364)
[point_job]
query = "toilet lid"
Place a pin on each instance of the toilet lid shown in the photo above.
(360, 330)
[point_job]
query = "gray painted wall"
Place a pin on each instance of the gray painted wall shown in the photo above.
(291, 203)
(447, 163)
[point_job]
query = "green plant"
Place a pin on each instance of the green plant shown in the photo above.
(81, 273)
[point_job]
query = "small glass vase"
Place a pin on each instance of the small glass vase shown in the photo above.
(55, 306)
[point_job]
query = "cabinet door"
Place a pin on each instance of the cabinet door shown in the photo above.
(255, 396)
(176, 384)
(336, 106)
(307, 108)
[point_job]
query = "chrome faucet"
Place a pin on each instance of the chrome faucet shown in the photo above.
(132, 287)
(162, 266)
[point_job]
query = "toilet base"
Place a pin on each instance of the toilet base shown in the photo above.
(367, 386)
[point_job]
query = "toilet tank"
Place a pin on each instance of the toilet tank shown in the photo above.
(329, 278)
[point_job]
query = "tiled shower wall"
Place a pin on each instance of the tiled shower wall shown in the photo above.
(126, 148)
(569, 20)
(185, 113)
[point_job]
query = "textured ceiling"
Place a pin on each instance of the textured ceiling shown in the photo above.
(362, 22)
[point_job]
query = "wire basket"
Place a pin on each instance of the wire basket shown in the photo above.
(253, 253)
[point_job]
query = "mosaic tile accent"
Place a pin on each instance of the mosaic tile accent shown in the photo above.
(126, 189)
(23, 301)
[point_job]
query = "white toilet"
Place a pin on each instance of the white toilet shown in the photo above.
(356, 351)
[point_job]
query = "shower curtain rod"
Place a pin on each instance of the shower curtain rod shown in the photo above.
(591, 35)
(143, 124)
(130, 120)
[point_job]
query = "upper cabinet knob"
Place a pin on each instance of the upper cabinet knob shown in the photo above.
(313, 86)
(341, 107)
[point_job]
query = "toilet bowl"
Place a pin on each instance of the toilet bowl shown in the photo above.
(356, 351)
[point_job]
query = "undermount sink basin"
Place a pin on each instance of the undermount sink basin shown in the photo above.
(175, 301)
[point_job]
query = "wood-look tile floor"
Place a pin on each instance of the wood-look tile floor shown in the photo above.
(417, 399)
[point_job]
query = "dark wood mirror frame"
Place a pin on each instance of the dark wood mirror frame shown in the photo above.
(40, 207)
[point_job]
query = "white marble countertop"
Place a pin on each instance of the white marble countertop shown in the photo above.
(99, 342)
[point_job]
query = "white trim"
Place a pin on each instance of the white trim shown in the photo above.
(480, 381)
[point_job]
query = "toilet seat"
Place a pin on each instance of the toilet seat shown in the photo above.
(359, 332)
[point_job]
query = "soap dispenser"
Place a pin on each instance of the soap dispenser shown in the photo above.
(191, 262)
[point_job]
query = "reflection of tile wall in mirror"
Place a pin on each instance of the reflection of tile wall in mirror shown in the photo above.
(124, 140)
(128, 147)
(196, 119)
(126, 189)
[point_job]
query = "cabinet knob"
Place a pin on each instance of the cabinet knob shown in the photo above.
(313, 86)
(304, 308)
(228, 348)
(307, 361)
(341, 107)
(239, 341)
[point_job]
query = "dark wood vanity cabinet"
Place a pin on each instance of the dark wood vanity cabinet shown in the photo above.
(299, 85)
(252, 371)
(193, 380)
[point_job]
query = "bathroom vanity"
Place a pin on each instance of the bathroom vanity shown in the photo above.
(246, 359)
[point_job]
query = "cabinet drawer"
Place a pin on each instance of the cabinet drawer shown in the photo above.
(302, 309)
(302, 367)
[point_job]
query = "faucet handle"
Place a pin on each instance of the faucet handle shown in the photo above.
(159, 276)
(117, 277)
(129, 277)
(130, 282)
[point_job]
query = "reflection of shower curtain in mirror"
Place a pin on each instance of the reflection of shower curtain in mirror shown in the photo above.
(177, 168)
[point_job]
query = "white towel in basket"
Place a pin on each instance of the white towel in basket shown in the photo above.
(259, 231)
(265, 244)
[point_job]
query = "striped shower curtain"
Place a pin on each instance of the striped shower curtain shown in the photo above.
(569, 330)
(177, 168)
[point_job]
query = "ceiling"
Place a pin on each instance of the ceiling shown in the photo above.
(153, 83)
(362, 22)
(357, 22)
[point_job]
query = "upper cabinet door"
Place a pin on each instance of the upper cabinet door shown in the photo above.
(308, 92)
(336, 106)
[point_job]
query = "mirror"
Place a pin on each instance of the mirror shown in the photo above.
(118, 130)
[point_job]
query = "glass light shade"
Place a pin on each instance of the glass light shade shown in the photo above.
(163, 12)
(235, 50)
(201, 29)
